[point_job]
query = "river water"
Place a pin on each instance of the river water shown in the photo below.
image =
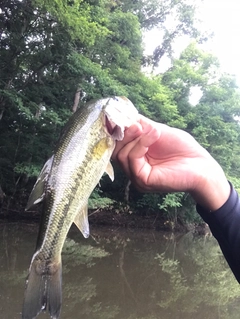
(125, 274)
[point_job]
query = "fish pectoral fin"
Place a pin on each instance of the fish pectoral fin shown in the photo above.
(81, 221)
(38, 193)
(109, 171)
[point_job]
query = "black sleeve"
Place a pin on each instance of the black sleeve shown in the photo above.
(225, 226)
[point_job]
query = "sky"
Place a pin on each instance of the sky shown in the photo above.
(222, 17)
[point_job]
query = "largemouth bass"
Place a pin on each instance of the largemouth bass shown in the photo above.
(64, 185)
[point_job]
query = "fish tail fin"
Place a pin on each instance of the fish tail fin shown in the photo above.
(43, 289)
(55, 293)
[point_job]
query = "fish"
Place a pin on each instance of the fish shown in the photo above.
(64, 186)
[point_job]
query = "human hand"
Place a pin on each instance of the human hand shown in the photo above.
(159, 158)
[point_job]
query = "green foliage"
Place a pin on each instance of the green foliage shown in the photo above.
(171, 200)
(169, 205)
(79, 18)
(235, 181)
(173, 19)
(98, 201)
(174, 208)
(149, 201)
(49, 50)
(26, 169)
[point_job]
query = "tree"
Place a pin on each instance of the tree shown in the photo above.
(213, 121)
(49, 52)
(55, 56)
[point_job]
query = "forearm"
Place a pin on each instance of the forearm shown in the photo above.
(225, 226)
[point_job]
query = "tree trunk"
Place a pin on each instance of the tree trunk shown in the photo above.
(127, 191)
(2, 195)
(76, 100)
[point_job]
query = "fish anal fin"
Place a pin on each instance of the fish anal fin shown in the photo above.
(43, 290)
(109, 170)
(38, 193)
(81, 221)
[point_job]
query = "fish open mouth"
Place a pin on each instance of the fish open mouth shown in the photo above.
(119, 114)
(109, 125)
(113, 129)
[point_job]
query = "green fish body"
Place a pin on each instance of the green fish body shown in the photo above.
(64, 185)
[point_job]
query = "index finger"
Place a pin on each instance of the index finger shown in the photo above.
(133, 157)
(130, 134)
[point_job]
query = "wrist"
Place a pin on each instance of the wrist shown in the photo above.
(212, 189)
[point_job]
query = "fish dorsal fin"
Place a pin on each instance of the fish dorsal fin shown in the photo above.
(81, 221)
(38, 192)
(109, 171)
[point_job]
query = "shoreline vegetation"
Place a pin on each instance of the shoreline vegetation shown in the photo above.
(110, 218)
(57, 56)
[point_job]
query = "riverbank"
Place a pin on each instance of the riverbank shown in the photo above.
(127, 220)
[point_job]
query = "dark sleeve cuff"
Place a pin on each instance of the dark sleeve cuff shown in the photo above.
(225, 226)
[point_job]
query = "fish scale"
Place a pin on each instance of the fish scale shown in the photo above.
(78, 184)
(65, 184)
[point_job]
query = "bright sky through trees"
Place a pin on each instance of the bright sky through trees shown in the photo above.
(220, 17)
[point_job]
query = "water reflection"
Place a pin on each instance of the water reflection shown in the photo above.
(127, 275)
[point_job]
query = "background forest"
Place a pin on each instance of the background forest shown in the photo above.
(57, 55)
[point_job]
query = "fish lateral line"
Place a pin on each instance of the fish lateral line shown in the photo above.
(65, 183)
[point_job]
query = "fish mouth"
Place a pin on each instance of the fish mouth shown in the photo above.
(119, 113)
(110, 125)
(114, 130)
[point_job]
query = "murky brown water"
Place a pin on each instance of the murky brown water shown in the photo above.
(125, 275)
